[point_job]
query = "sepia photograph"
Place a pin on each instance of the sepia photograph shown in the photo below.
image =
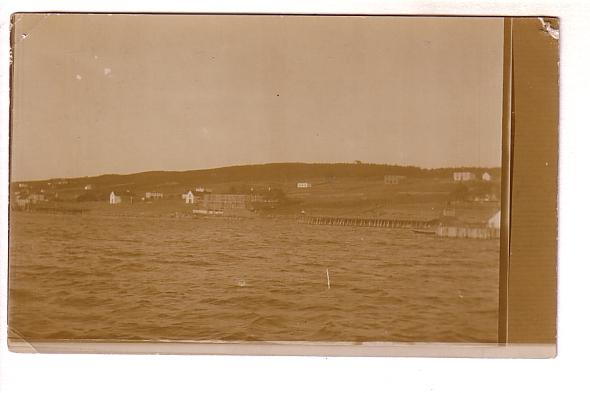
(256, 178)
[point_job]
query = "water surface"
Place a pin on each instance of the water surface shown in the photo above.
(147, 278)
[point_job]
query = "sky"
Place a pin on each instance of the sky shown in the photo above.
(96, 94)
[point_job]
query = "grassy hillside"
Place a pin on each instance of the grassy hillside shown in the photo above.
(251, 174)
(337, 189)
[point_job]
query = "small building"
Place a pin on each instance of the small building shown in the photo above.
(303, 185)
(485, 198)
(486, 177)
(88, 187)
(393, 179)
(22, 203)
(463, 176)
(203, 190)
(36, 198)
(189, 197)
(494, 221)
(154, 195)
(114, 199)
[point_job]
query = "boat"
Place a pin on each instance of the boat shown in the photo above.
(424, 231)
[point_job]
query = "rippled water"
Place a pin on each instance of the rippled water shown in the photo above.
(95, 277)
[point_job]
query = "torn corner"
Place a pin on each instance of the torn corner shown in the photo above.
(550, 28)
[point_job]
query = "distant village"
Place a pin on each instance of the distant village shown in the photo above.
(468, 187)
(25, 195)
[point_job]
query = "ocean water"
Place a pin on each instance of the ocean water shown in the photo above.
(147, 278)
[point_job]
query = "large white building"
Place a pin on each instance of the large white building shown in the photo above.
(494, 221)
(114, 198)
(154, 195)
(486, 177)
(303, 185)
(225, 201)
(189, 197)
(393, 179)
(463, 176)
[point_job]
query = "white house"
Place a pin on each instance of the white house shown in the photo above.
(494, 221)
(114, 199)
(463, 176)
(189, 197)
(88, 187)
(304, 185)
(486, 177)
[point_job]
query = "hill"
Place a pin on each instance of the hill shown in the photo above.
(256, 174)
(336, 189)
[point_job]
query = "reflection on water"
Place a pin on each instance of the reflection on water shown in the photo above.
(93, 277)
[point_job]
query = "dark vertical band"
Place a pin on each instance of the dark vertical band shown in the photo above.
(532, 275)
(506, 181)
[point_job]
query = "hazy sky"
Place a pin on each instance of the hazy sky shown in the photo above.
(120, 94)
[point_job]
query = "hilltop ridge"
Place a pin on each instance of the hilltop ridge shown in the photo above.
(273, 172)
